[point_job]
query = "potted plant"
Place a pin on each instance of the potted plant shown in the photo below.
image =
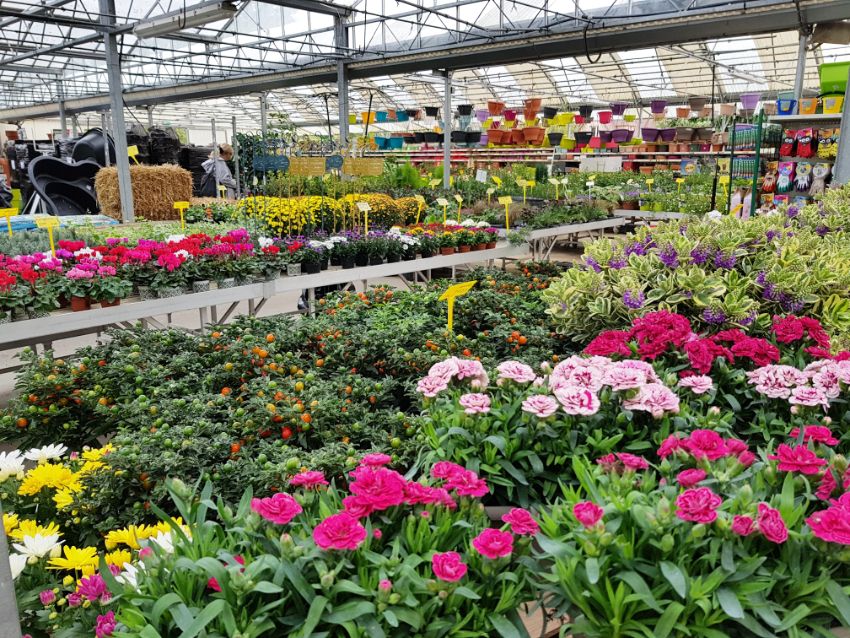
(480, 239)
(394, 250)
(376, 249)
(346, 251)
(428, 245)
(310, 260)
(77, 287)
(108, 289)
(492, 237)
(448, 242)
(166, 283)
(361, 257)
(44, 297)
(12, 296)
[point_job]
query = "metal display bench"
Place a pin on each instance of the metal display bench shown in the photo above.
(543, 240)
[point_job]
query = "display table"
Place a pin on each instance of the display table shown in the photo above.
(543, 240)
(648, 215)
(65, 324)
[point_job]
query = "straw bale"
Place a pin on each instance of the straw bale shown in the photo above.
(155, 189)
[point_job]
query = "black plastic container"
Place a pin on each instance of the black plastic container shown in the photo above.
(549, 112)
(464, 109)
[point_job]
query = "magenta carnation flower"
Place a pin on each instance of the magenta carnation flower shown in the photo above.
(280, 508)
(340, 531)
(698, 505)
(448, 567)
(493, 543)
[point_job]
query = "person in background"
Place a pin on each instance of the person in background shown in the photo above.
(222, 172)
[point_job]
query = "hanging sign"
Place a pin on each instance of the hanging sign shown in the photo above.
(181, 208)
(452, 293)
(48, 224)
(265, 163)
(307, 166)
(8, 213)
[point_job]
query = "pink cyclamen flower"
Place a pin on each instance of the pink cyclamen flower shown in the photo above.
(516, 371)
(308, 479)
(340, 531)
(655, 398)
(376, 460)
(540, 405)
(587, 513)
(816, 433)
(431, 386)
(46, 597)
(797, 459)
(771, 525)
(698, 505)
(808, 396)
(448, 567)
(577, 401)
(475, 403)
(698, 383)
(493, 543)
(743, 525)
(385, 585)
(689, 478)
(521, 522)
(105, 625)
(279, 509)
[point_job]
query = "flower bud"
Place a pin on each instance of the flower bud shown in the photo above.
(53, 615)
(745, 493)
(839, 462)
(722, 523)
(327, 581)
(32, 560)
(68, 581)
(395, 599)
(795, 410)
(56, 551)
(667, 543)
(698, 530)
(606, 539)
(86, 603)
(827, 420)
(714, 410)
(590, 548)
(442, 594)
(61, 602)
(180, 488)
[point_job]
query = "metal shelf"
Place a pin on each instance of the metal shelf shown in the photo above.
(817, 117)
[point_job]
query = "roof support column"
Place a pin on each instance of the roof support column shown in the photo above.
(63, 121)
(9, 624)
(341, 41)
(264, 120)
(841, 169)
(447, 131)
(150, 116)
(801, 67)
(116, 103)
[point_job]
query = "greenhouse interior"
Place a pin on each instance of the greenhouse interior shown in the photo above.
(424, 319)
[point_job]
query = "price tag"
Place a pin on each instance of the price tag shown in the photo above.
(557, 184)
(48, 223)
(435, 182)
(592, 178)
(565, 181)
(363, 207)
(723, 179)
(8, 213)
(133, 152)
(522, 182)
(649, 183)
(452, 293)
(442, 201)
(680, 180)
(507, 200)
(530, 183)
(181, 208)
(497, 180)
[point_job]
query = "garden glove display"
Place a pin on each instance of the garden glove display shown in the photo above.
(768, 185)
(806, 143)
(820, 174)
(789, 141)
(786, 177)
(804, 176)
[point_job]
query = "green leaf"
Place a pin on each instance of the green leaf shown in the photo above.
(668, 619)
(209, 613)
(465, 592)
(840, 600)
(793, 618)
(350, 611)
(265, 587)
(640, 588)
(733, 402)
(591, 566)
(391, 618)
(161, 605)
(675, 577)
(729, 603)
(314, 615)
(149, 632)
(504, 627)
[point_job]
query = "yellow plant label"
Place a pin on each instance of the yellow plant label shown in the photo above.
(47, 223)
(181, 208)
(434, 183)
(506, 200)
(8, 213)
(363, 207)
(490, 191)
(553, 181)
(452, 293)
(496, 179)
(133, 152)
(459, 199)
(442, 201)
(419, 199)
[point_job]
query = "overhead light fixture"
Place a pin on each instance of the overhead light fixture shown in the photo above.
(194, 16)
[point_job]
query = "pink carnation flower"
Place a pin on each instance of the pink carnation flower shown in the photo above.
(540, 405)
(446, 470)
(431, 386)
(706, 443)
(448, 567)
(475, 403)
(670, 445)
(833, 524)
(445, 370)
(797, 459)
(521, 522)
(379, 487)
(698, 383)
(308, 479)
(493, 543)
(816, 433)
(620, 377)
(577, 401)
(743, 525)
(467, 483)
(587, 513)
(340, 531)
(279, 509)
(654, 398)
(516, 371)
(771, 525)
(689, 478)
(376, 460)
(698, 505)
(808, 396)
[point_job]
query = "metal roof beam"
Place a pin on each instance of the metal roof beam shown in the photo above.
(313, 6)
(52, 19)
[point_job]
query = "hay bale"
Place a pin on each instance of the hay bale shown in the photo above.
(155, 189)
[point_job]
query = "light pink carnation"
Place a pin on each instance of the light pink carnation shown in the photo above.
(431, 386)
(698, 383)
(808, 396)
(654, 398)
(578, 401)
(516, 371)
(541, 405)
(473, 370)
(475, 403)
(445, 370)
(621, 377)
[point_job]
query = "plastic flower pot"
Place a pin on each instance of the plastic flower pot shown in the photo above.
(482, 114)
(568, 143)
(750, 100)
(529, 116)
(484, 139)
(381, 116)
(352, 119)
(786, 106)
(464, 109)
(833, 103)
(579, 119)
(704, 133)
(495, 107)
(585, 110)
(683, 111)
(145, 293)
(510, 115)
(432, 138)
(697, 103)
(562, 119)
(706, 111)
(649, 134)
(347, 262)
(605, 116)
(621, 135)
(419, 137)
(432, 111)
(473, 137)
(533, 104)
(658, 106)
(517, 136)
(684, 133)
(727, 109)
(402, 116)
(311, 268)
(631, 117)
(555, 138)
(533, 134)
(494, 136)
(80, 303)
(549, 112)
(109, 304)
(380, 142)
(293, 270)
(582, 138)
(458, 137)
(808, 105)
(361, 260)
(409, 139)
(769, 108)
(200, 286)
(605, 136)
(618, 108)
(167, 293)
(413, 114)
(367, 116)
(395, 143)
(447, 250)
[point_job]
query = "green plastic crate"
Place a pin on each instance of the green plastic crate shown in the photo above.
(833, 77)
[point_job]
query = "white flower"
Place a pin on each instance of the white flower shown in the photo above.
(38, 546)
(336, 239)
(467, 222)
(46, 453)
(174, 239)
(11, 464)
(265, 242)
(164, 540)
(483, 225)
(17, 562)
(88, 252)
(130, 575)
(183, 253)
(313, 243)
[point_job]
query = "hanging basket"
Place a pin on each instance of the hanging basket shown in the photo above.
(495, 107)
(683, 112)
(697, 103)
(618, 108)
(658, 106)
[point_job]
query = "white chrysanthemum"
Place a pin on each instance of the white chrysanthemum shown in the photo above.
(483, 225)
(336, 239)
(17, 562)
(11, 464)
(38, 546)
(46, 453)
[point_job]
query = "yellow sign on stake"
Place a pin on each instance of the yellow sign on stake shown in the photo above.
(557, 185)
(496, 180)
(181, 208)
(649, 183)
(506, 201)
(364, 208)
(8, 213)
(442, 201)
(434, 183)
(459, 201)
(679, 182)
(421, 205)
(490, 192)
(723, 180)
(132, 152)
(48, 223)
(452, 293)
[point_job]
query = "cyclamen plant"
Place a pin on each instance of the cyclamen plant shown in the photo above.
(721, 543)
(392, 558)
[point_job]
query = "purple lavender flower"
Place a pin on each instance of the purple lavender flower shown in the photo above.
(772, 234)
(633, 301)
(700, 255)
(714, 317)
(822, 230)
(592, 263)
(616, 263)
(724, 261)
(749, 319)
(669, 257)
(761, 278)
(793, 211)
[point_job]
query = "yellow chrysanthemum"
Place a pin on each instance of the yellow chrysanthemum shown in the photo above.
(119, 557)
(76, 559)
(97, 453)
(46, 475)
(10, 522)
(90, 466)
(129, 536)
(29, 527)
(63, 499)
(163, 526)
